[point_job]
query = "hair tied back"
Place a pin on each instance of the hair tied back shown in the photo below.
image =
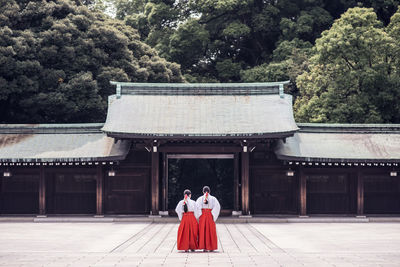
(185, 208)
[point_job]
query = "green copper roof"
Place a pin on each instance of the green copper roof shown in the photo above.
(59, 143)
(342, 143)
(230, 110)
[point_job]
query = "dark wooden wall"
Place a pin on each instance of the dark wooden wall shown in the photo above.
(381, 192)
(71, 191)
(331, 191)
(128, 192)
(19, 194)
(78, 189)
(272, 191)
(89, 189)
(349, 190)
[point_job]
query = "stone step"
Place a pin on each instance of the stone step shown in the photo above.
(231, 219)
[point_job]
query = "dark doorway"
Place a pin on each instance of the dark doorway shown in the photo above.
(194, 173)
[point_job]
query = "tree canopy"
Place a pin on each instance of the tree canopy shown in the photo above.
(353, 75)
(223, 40)
(57, 58)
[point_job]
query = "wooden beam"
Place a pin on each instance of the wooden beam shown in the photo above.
(201, 156)
(245, 182)
(236, 198)
(164, 192)
(42, 191)
(303, 193)
(360, 193)
(155, 173)
(99, 190)
(199, 149)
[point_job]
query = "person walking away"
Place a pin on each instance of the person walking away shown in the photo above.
(188, 230)
(210, 209)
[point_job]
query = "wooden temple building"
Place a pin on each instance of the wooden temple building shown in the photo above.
(240, 139)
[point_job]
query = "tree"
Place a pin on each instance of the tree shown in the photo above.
(289, 60)
(57, 58)
(215, 40)
(228, 38)
(354, 74)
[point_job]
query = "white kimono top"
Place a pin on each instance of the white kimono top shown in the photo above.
(213, 204)
(191, 204)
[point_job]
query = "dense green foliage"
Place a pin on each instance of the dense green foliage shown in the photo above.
(217, 40)
(354, 74)
(223, 40)
(57, 58)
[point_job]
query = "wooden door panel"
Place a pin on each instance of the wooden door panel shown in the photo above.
(273, 192)
(381, 193)
(331, 193)
(128, 192)
(19, 194)
(71, 192)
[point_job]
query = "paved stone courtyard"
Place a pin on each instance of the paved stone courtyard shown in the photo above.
(154, 244)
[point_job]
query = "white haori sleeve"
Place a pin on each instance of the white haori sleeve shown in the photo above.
(179, 209)
(196, 209)
(216, 208)
(199, 205)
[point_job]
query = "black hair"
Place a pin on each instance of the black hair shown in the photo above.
(187, 192)
(206, 189)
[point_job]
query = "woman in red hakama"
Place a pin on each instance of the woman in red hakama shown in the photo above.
(189, 228)
(210, 209)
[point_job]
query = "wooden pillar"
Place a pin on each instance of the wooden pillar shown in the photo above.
(303, 193)
(155, 172)
(360, 193)
(245, 182)
(164, 192)
(99, 190)
(236, 204)
(42, 191)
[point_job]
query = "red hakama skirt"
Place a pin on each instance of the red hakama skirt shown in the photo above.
(207, 231)
(188, 232)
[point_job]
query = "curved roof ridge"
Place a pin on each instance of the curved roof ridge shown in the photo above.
(264, 88)
(228, 85)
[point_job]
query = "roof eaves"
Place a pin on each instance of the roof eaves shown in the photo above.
(202, 136)
(338, 160)
(73, 128)
(348, 128)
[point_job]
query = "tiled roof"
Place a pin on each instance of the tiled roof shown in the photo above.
(342, 143)
(200, 110)
(58, 142)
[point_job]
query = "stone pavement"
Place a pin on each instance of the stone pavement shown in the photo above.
(241, 244)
